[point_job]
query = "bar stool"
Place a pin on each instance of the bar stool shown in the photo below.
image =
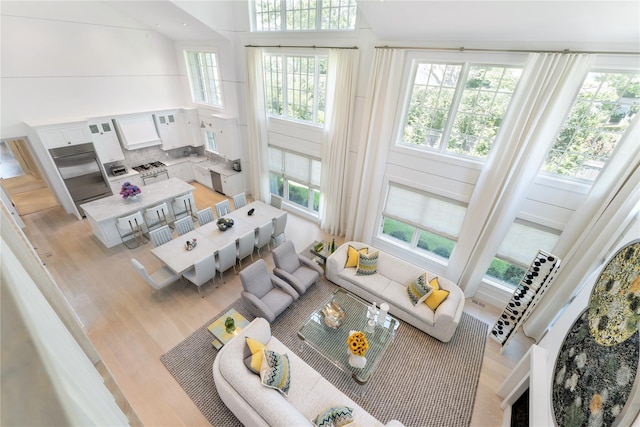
(156, 216)
(131, 227)
(183, 206)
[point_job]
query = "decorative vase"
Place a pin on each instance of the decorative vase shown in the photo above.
(132, 198)
(230, 324)
(371, 326)
(356, 361)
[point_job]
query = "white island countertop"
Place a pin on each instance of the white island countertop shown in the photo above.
(115, 206)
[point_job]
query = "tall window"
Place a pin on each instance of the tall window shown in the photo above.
(519, 247)
(204, 77)
(458, 108)
(211, 141)
(421, 220)
(295, 87)
(304, 15)
(601, 113)
(295, 178)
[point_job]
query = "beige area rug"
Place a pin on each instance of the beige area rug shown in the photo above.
(29, 194)
(420, 381)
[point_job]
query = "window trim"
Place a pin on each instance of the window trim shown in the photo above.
(316, 78)
(209, 50)
(286, 178)
(464, 59)
(283, 20)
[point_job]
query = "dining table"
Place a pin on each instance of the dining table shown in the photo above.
(210, 238)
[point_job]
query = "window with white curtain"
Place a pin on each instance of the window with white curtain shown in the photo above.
(204, 77)
(457, 108)
(420, 220)
(521, 244)
(296, 178)
(303, 15)
(602, 111)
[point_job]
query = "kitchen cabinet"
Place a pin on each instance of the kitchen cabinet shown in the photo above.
(225, 133)
(194, 132)
(64, 134)
(184, 171)
(106, 141)
(202, 175)
(116, 183)
(232, 184)
(172, 130)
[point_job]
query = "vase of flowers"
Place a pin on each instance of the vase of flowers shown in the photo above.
(358, 346)
(129, 191)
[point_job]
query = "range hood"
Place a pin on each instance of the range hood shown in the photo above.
(137, 131)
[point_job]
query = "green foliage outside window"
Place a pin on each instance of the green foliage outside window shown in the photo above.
(427, 241)
(601, 113)
(506, 272)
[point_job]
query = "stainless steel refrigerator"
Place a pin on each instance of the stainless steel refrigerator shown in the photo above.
(80, 170)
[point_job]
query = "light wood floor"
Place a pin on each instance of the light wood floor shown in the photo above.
(28, 194)
(131, 325)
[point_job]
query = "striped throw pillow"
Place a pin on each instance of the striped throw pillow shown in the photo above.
(367, 264)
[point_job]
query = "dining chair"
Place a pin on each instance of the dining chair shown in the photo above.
(279, 224)
(226, 259)
(158, 279)
(239, 200)
(205, 216)
(131, 227)
(263, 236)
(183, 206)
(264, 294)
(202, 272)
(295, 269)
(184, 225)
(223, 208)
(160, 236)
(156, 216)
(276, 201)
(245, 246)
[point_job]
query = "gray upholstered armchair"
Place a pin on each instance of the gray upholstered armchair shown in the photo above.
(265, 294)
(295, 269)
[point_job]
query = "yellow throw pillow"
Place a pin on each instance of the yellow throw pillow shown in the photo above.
(352, 256)
(253, 355)
(437, 296)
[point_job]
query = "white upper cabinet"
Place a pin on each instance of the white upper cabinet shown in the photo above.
(171, 127)
(64, 134)
(106, 141)
(194, 132)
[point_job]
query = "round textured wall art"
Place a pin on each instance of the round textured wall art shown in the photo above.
(596, 369)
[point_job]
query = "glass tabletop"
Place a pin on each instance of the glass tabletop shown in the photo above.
(332, 343)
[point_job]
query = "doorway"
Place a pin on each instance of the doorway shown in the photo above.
(21, 178)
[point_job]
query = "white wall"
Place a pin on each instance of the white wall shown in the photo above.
(64, 61)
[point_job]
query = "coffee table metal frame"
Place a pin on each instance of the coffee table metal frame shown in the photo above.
(219, 331)
(332, 343)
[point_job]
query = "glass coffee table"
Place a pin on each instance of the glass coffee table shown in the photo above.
(332, 343)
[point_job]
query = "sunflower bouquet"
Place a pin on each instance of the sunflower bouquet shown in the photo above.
(358, 343)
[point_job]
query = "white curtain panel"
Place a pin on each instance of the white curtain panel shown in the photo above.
(79, 386)
(546, 90)
(377, 133)
(588, 239)
(335, 145)
(257, 126)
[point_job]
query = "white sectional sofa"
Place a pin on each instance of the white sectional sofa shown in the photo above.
(256, 405)
(389, 285)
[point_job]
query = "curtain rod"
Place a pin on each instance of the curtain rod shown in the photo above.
(463, 49)
(303, 47)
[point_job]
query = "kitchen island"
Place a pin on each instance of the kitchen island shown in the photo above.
(102, 214)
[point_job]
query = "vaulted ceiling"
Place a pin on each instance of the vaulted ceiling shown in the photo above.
(514, 23)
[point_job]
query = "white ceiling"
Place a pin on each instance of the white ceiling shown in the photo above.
(503, 23)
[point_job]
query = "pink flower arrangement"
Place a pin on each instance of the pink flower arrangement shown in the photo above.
(129, 190)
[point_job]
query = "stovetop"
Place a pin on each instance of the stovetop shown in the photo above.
(149, 169)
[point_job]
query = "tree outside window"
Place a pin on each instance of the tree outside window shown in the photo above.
(458, 108)
(304, 15)
(204, 77)
(601, 113)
